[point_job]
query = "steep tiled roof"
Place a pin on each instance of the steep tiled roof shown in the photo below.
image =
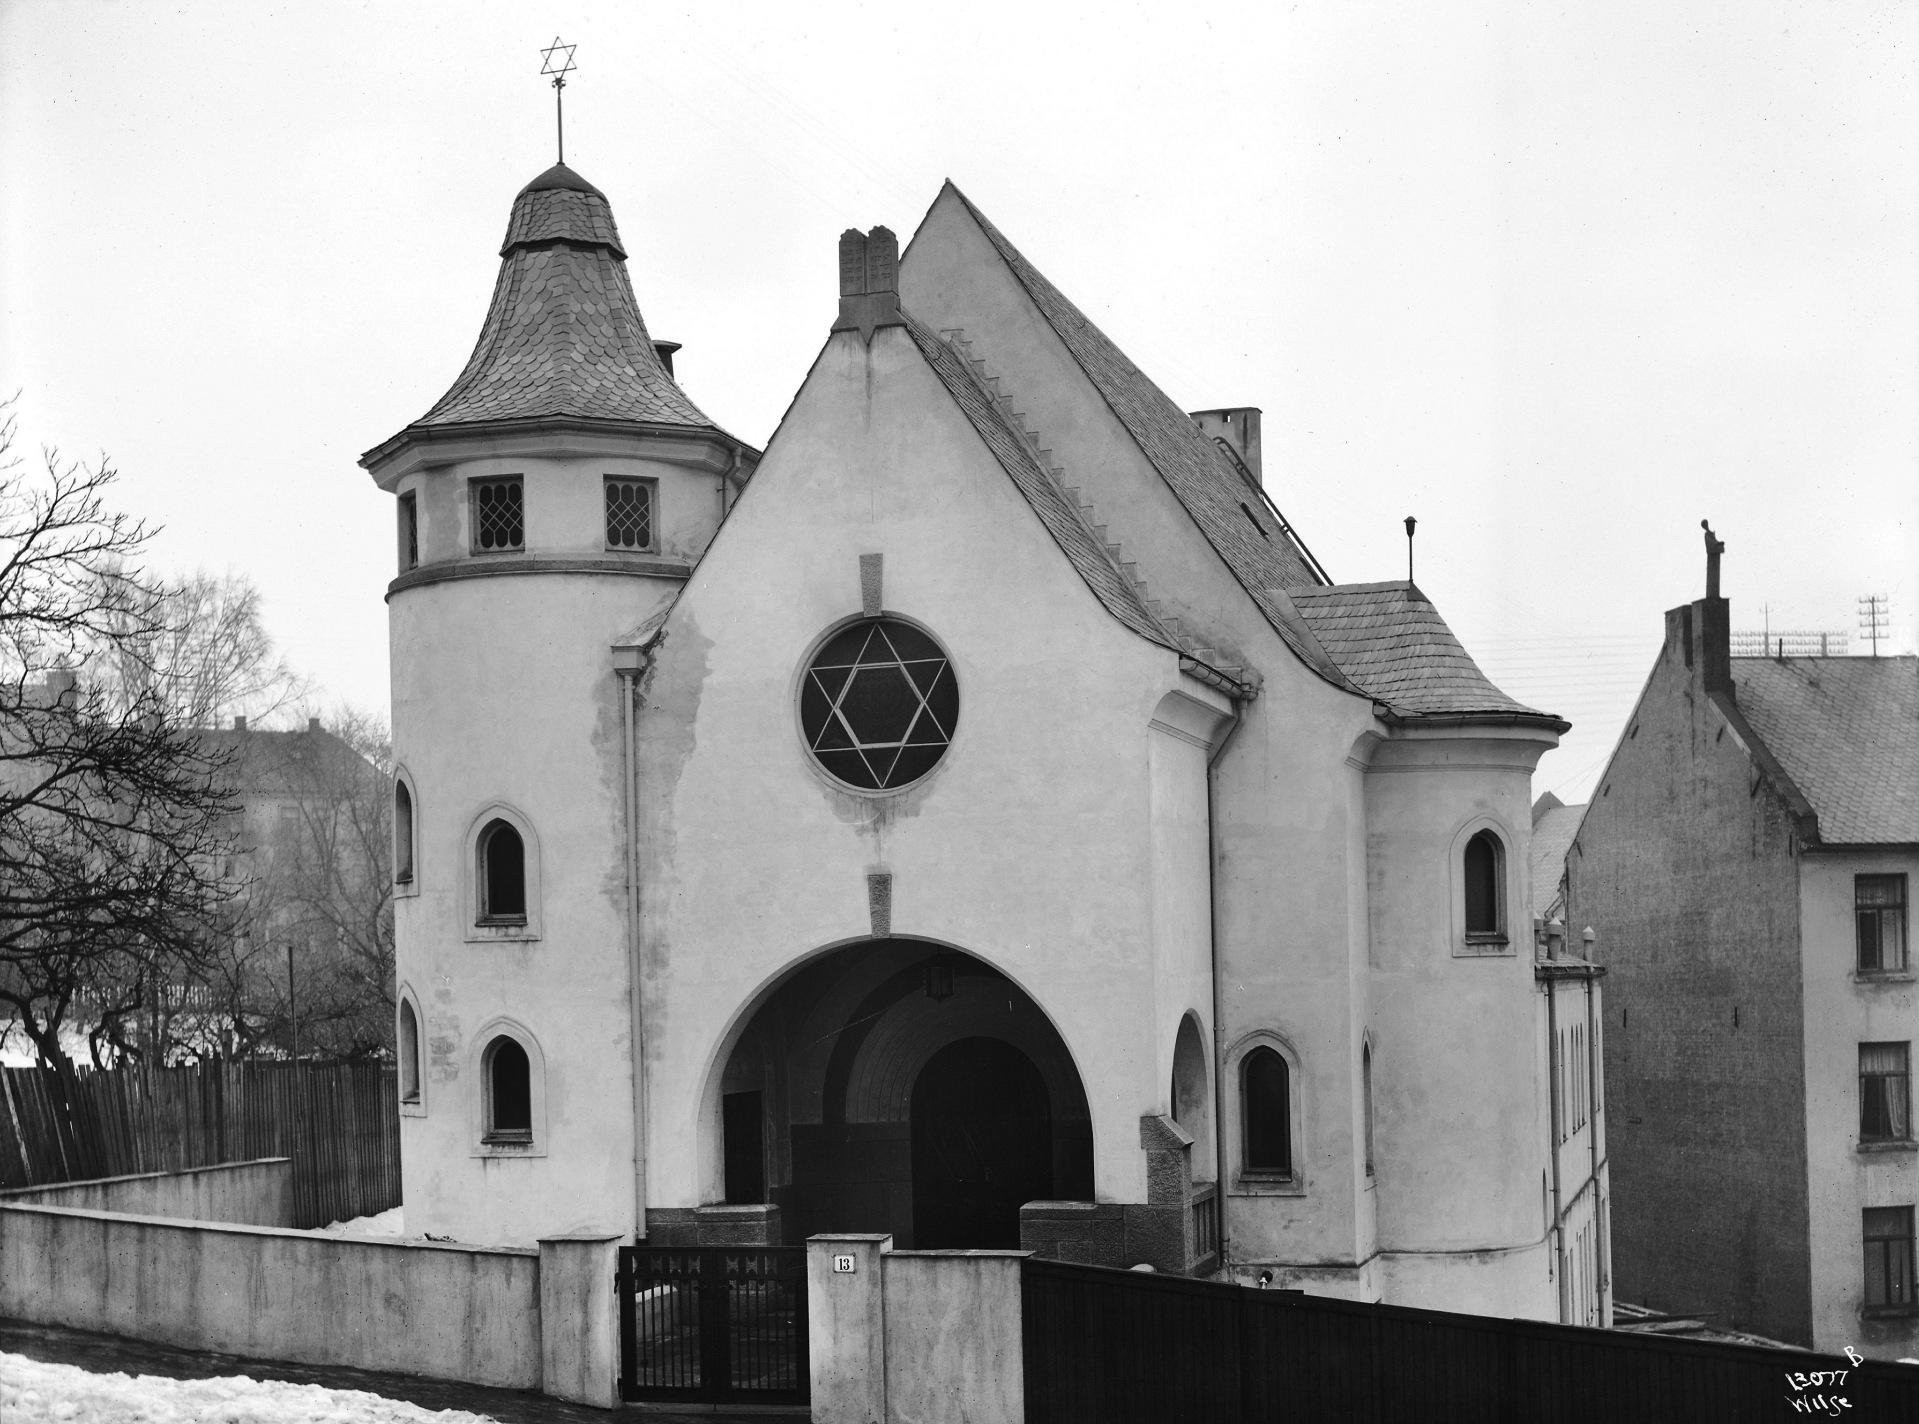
(1390, 640)
(266, 761)
(1553, 833)
(1847, 732)
(1261, 552)
(1049, 502)
(564, 336)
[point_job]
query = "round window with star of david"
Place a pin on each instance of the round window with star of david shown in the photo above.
(879, 704)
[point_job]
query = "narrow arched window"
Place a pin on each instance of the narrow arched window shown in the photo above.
(1366, 1092)
(409, 1054)
(402, 834)
(1484, 857)
(509, 1092)
(1266, 1102)
(502, 875)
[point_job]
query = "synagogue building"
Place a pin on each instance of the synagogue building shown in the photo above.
(976, 818)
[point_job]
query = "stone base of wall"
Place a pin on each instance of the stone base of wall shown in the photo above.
(758, 1224)
(1105, 1234)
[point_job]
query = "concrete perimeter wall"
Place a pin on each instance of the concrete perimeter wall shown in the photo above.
(914, 1337)
(256, 1193)
(415, 1307)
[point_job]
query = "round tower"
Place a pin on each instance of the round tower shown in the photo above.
(553, 500)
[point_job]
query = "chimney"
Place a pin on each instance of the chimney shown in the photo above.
(869, 281)
(1237, 428)
(61, 683)
(1715, 622)
(239, 724)
(664, 350)
(313, 724)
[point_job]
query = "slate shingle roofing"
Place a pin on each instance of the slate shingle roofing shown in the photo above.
(564, 336)
(1390, 640)
(1262, 553)
(1846, 730)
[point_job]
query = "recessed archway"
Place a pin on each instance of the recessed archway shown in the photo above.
(829, 1068)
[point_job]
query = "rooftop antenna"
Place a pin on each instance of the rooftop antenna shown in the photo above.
(1874, 618)
(1410, 522)
(558, 58)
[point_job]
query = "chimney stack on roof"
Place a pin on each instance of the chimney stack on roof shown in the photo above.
(239, 724)
(313, 724)
(869, 281)
(1237, 428)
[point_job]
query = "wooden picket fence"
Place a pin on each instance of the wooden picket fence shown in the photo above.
(339, 1122)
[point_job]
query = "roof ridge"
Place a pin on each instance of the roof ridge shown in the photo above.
(1182, 455)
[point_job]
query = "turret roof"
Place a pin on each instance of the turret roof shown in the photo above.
(564, 336)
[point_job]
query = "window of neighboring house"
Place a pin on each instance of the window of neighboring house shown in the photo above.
(409, 1053)
(509, 1092)
(402, 834)
(409, 533)
(1885, 1099)
(1879, 907)
(502, 875)
(629, 514)
(1266, 1108)
(1484, 870)
(1366, 1090)
(498, 518)
(1888, 1238)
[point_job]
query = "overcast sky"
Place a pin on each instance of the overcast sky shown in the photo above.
(1558, 280)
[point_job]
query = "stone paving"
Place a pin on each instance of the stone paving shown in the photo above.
(109, 1353)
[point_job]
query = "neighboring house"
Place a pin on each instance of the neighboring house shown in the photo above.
(978, 819)
(1747, 865)
(1554, 826)
(310, 865)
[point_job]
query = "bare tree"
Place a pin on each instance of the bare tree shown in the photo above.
(110, 811)
(203, 652)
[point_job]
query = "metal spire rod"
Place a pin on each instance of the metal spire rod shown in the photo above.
(558, 62)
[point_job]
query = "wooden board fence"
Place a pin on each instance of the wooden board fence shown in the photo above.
(339, 1122)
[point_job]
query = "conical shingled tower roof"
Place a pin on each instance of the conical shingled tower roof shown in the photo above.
(564, 336)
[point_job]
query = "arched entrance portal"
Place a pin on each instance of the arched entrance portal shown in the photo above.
(982, 1144)
(900, 1086)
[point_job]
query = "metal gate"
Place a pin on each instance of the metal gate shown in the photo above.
(714, 1324)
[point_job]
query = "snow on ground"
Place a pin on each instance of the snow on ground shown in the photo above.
(32, 1392)
(387, 1223)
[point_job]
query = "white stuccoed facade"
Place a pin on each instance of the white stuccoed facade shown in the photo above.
(1048, 957)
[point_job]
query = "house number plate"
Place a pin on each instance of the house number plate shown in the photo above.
(843, 1265)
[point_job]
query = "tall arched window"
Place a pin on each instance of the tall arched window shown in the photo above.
(1266, 1108)
(509, 1092)
(502, 875)
(409, 1053)
(1366, 1093)
(402, 834)
(1484, 873)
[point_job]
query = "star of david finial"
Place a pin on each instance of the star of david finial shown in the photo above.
(557, 60)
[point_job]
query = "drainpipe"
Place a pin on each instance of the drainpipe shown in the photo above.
(730, 476)
(1219, 1032)
(1555, 1068)
(628, 663)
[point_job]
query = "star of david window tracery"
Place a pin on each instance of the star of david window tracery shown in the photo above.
(879, 705)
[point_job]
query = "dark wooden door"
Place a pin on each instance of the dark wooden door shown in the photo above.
(982, 1145)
